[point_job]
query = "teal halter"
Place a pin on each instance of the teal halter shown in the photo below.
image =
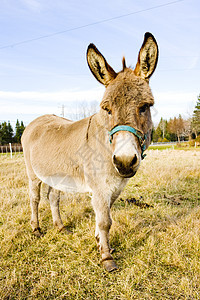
(142, 137)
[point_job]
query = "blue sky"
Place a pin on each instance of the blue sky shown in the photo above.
(43, 53)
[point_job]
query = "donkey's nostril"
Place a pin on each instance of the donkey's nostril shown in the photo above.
(117, 161)
(134, 161)
(125, 164)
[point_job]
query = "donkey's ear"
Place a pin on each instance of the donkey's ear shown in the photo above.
(99, 66)
(147, 58)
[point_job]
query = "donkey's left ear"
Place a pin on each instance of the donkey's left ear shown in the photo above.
(99, 66)
(147, 58)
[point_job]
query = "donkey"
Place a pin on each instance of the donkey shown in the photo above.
(97, 154)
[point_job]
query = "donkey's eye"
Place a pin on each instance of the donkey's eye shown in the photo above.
(108, 111)
(143, 108)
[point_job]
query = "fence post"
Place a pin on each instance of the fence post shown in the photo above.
(10, 150)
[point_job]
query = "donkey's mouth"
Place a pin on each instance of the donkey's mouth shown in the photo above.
(124, 174)
(128, 175)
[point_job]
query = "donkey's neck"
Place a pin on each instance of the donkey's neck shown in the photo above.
(102, 119)
(98, 126)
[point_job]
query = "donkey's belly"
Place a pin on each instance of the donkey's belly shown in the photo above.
(66, 183)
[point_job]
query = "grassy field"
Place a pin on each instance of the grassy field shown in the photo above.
(157, 247)
(185, 147)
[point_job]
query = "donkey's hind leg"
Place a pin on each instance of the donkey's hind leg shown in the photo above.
(34, 192)
(54, 197)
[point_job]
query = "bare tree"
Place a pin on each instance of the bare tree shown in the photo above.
(188, 128)
(86, 109)
(176, 126)
(163, 125)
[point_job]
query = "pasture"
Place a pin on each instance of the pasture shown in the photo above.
(158, 245)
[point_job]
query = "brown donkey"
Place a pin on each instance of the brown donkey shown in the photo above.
(97, 154)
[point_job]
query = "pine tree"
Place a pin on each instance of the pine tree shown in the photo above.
(19, 128)
(157, 134)
(3, 133)
(22, 127)
(160, 132)
(6, 133)
(10, 133)
(17, 132)
(196, 118)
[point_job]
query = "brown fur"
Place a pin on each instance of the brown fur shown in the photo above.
(77, 155)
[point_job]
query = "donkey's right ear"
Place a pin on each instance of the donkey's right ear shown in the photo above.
(99, 67)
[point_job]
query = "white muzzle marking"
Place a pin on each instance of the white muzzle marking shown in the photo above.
(126, 157)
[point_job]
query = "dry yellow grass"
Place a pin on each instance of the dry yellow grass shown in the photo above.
(157, 248)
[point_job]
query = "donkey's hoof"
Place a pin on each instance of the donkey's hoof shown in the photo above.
(65, 230)
(110, 265)
(37, 232)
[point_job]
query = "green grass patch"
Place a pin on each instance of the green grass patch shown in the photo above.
(161, 147)
(172, 147)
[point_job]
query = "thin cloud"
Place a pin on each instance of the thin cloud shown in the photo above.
(53, 97)
(32, 4)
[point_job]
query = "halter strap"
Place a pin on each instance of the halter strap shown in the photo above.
(142, 137)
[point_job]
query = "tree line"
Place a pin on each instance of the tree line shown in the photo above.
(8, 135)
(176, 129)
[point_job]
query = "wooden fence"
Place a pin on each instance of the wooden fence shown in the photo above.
(15, 148)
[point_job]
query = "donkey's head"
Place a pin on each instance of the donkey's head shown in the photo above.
(126, 104)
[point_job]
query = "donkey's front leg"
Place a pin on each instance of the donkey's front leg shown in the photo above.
(103, 223)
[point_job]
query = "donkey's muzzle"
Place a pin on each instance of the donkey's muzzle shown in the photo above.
(126, 165)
